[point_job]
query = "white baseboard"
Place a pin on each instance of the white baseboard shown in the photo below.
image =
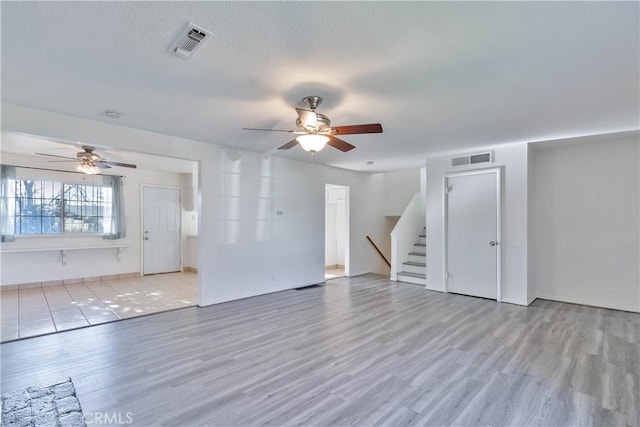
(598, 304)
(360, 273)
(514, 301)
(531, 300)
(412, 280)
(202, 303)
(431, 288)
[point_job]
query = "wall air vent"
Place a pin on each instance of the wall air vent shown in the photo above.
(472, 159)
(189, 40)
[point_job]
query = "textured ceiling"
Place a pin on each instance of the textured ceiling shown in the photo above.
(438, 76)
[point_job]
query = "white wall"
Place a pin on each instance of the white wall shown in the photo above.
(252, 249)
(335, 226)
(244, 247)
(513, 158)
(586, 204)
(18, 267)
(399, 188)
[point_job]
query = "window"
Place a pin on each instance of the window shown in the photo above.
(50, 207)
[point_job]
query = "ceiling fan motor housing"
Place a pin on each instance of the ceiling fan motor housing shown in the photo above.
(324, 124)
(88, 154)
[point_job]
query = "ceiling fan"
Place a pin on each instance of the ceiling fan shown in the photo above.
(89, 162)
(315, 129)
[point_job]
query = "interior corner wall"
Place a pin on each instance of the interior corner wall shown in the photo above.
(399, 188)
(513, 160)
(261, 218)
(586, 222)
(531, 283)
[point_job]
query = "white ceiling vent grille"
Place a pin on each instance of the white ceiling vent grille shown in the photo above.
(472, 159)
(189, 41)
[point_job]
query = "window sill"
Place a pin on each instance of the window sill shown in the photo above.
(56, 235)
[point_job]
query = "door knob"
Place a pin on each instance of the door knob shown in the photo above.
(146, 238)
(493, 243)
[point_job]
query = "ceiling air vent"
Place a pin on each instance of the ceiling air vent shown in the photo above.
(189, 40)
(472, 159)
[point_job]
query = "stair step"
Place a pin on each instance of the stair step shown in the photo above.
(415, 264)
(417, 257)
(422, 235)
(420, 244)
(410, 274)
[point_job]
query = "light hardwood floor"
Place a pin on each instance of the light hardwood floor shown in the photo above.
(358, 351)
(333, 273)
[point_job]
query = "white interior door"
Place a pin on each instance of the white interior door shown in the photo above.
(161, 230)
(472, 234)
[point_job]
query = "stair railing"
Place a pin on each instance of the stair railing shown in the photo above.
(379, 251)
(406, 232)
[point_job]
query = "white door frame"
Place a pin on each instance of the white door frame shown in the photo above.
(142, 187)
(347, 234)
(498, 172)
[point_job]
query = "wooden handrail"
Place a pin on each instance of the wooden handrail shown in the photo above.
(380, 252)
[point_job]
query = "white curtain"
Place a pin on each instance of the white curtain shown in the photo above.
(115, 229)
(7, 203)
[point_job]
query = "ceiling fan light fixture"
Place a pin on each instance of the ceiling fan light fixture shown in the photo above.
(312, 143)
(88, 168)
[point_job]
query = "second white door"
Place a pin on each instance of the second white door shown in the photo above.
(472, 234)
(161, 230)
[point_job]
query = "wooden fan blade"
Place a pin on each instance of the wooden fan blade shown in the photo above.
(122, 165)
(307, 118)
(61, 161)
(355, 129)
(288, 145)
(103, 165)
(60, 157)
(269, 130)
(339, 144)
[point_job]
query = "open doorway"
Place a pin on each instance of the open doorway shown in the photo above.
(336, 260)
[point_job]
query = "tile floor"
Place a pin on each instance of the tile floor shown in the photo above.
(333, 273)
(38, 311)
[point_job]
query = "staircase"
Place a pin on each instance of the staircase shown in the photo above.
(414, 270)
(408, 255)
